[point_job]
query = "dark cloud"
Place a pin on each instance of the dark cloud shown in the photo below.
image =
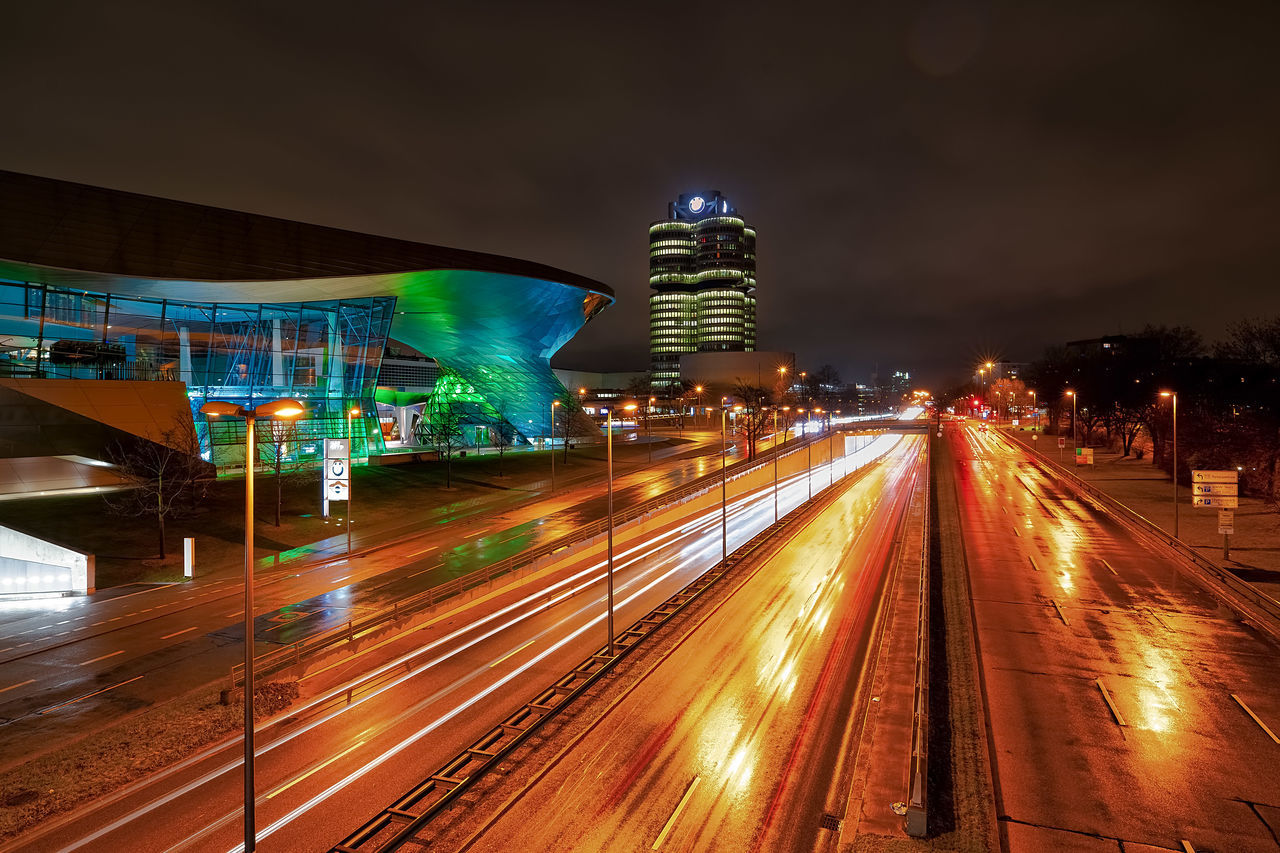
(930, 181)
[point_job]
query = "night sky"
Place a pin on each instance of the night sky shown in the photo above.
(932, 183)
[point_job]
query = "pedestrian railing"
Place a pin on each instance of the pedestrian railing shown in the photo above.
(1250, 602)
(916, 819)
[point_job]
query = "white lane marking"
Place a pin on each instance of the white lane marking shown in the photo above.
(1113, 571)
(1033, 562)
(15, 686)
(675, 815)
(87, 695)
(1061, 615)
(179, 633)
(512, 652)
(103, 657)
(1249, 711)
(1106, 697)
(314, 770)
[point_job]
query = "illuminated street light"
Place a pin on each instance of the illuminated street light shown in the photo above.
(724, 484)
(353, 412)
(808, 451)
(284, 408)
(554, 404)
(648, 430)
(630, 407)
(1174, 396)
(1074, 441)
(775, 459)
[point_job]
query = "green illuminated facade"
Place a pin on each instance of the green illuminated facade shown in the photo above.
(102, 285)
(702, 271)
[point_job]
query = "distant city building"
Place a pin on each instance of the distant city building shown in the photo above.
(702, 271)
(720, 372)
(998, 370)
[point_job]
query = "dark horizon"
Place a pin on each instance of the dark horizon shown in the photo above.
(932, 185)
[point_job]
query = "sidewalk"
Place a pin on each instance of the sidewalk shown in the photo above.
(1139, 485)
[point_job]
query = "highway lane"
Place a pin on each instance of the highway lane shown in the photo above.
(1109, 676)
(68, 662)
(329, 761)
(733, 741)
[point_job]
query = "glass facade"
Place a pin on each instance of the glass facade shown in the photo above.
(702, 271)
(325, 353)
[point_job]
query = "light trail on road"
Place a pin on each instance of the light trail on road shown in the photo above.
(466, 692)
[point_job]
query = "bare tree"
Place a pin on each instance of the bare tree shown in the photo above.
(755, 419)
(441, 427)
(279, 442)
(501, 437)
(161, 474)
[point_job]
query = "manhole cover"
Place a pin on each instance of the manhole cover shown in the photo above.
(831, 822)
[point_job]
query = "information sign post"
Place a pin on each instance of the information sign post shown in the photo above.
(1218, 489)
(337, 471)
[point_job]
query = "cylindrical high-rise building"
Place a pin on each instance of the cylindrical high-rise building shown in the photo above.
(702, 270)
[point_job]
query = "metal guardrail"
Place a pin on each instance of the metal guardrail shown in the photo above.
(279, 659)
(1239, 594)
(916, 820)
(437, 792)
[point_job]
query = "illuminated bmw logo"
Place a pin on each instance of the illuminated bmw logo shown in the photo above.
(696, 204)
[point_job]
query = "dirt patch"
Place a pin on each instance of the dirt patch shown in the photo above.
(68, 778)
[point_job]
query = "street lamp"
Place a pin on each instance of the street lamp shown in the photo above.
(698, 390)
(724, 484)
(1174, 396)
(554, 404)
(630, 407)
(284, 408)
(1036, 411)
(648, 430)
(353, 412)
(786, 428)
(775, 460)
(1074, 440)
(808, 451)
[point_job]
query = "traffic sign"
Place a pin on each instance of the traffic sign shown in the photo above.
(1214, 501)
(1225, 489)
(1084, 455)
(1215, 476)
(1226, 522)
(1062, 442)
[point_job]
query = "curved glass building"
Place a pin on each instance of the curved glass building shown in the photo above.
(702, 271)
(102, 285)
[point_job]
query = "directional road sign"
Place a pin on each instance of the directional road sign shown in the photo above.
(1225, 489)
(1215, 476)
(1214, 501)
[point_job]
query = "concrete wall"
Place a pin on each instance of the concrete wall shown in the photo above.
(29, 565)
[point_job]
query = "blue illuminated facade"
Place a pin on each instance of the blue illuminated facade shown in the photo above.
(101, 285)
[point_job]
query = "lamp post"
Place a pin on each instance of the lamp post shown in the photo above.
(786, 428)
(554, 404)
(698, 390)
(353, 412)
(630, 407)
(808, 451)
(1074, 440)
(724, 484)
(775, 460)
(284, 408)
(1174, 396)
(648, 430)
(1035, 411)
